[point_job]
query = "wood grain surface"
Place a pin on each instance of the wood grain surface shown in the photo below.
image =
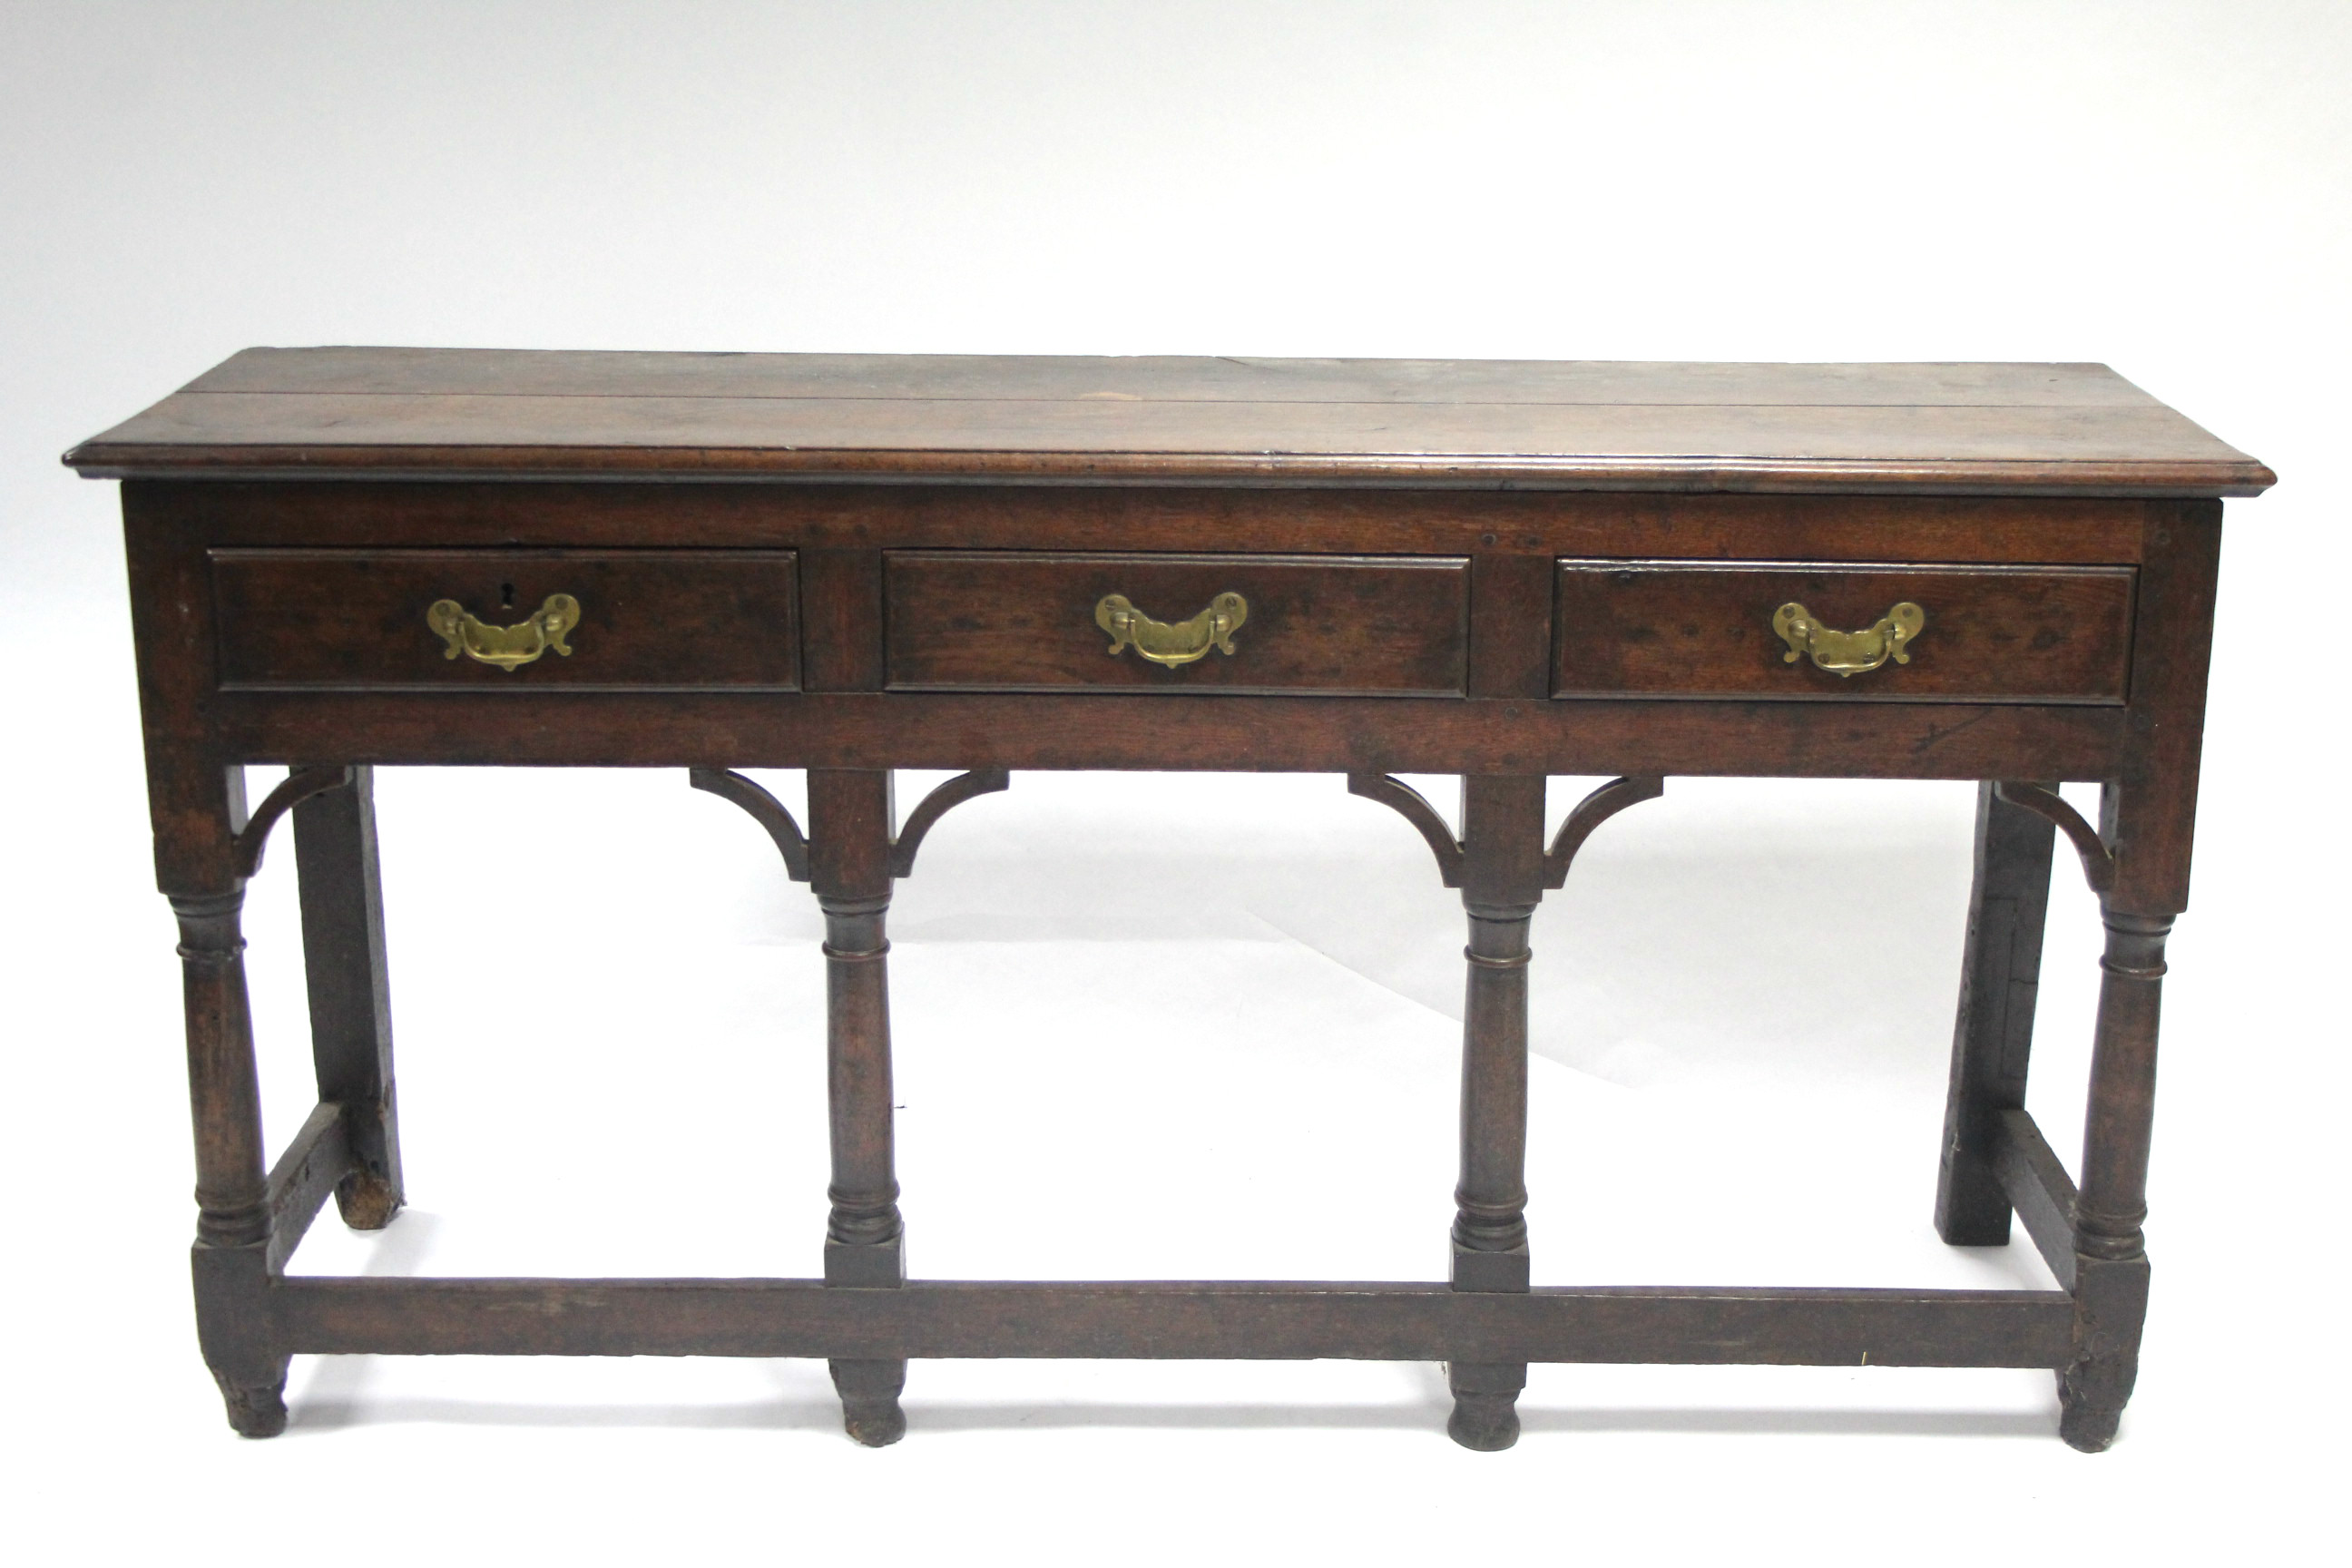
(1591, 737)
(1170, 1320)
(2050, 633)
(811, 515)
(672, 619)
(1985, 429)
(975, 620)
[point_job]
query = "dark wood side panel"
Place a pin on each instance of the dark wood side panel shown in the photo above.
(1219, 1321)
(1017, 621)
(2150, 815)
(356, 618)
(2049, 634)
(1250, 734)
(196, 801)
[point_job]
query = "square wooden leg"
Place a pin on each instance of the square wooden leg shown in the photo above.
(1999, 979)
(350, 989)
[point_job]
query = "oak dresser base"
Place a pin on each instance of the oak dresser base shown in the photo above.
(1506, 572)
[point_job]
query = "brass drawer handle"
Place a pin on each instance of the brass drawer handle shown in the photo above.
(506, 647)
(1849, 653)
(1180, 643)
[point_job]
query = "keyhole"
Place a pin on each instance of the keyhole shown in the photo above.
(505, 596)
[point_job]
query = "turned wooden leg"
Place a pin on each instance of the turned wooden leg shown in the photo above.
(865, 1245)
(1991, 1041)
(1502, 881)
(2147, 823)
(351, 1002)
(231, 1257)
(2111, 1272)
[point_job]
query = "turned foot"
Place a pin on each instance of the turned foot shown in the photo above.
(1486, 1422)
(1485, 1405)
(874, 1423)
(257, 1409)
(869, 1400)
(2088, 1428)
(367, 1201)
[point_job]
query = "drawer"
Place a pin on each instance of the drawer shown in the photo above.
(372, 619)
(976, 620)
(1984, 633)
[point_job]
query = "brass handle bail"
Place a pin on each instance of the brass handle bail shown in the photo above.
(1849, 654)
(506, 647)
(1171, 644)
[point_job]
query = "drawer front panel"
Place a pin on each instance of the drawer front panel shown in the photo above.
(1647, 628)
(976, 620)
(366, 620)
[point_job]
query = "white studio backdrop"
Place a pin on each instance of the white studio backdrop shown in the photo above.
(1172, 1025)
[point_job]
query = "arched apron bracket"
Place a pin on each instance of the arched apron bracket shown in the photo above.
(2098, 860)
(1413, 806)
(793, 845)
(943, 799)
(298, 785)
(765, 809)
(1591, 812)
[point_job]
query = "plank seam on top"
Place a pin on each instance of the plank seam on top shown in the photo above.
(1105, 398)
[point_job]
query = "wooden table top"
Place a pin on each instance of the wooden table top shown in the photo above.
(1980, 429)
